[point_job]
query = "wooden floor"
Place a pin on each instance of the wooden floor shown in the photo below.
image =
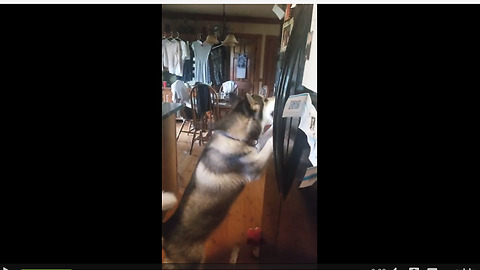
(245, 213)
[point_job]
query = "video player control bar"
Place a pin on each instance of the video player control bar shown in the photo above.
(242, 266)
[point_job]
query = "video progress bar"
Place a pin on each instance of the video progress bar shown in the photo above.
(81, 267)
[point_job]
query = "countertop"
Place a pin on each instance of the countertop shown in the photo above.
(170, 108)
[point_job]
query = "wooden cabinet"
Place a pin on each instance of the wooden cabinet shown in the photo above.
(169, 149)
(167, 94)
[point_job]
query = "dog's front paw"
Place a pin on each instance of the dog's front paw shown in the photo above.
(269, 145)
(262, 140)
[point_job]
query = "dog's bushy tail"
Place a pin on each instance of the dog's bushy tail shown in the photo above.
(168, 200)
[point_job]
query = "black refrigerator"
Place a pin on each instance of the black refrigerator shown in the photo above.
(289, 221)
(291, 149)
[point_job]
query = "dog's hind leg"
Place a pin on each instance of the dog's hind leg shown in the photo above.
(196, 253)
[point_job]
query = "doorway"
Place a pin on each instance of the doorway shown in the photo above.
(250, 46)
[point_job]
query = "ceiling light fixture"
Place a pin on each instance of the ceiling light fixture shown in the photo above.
(230, 40)
(211, 39)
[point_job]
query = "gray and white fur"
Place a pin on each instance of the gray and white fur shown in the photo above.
(231, 159)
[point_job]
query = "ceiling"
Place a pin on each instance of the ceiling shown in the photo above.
(247, 10)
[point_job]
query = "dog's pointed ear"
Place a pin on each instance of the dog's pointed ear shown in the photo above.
(265, 98)
(254, 105)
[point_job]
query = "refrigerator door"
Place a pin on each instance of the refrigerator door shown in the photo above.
(291, 149)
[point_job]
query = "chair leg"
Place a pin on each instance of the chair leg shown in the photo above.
(193, 140)
(181, 128)
(189, 128)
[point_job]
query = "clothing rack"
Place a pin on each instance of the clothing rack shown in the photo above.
(189, 39)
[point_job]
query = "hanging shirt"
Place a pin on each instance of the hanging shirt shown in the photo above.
(185, 50)
(202, 51)
(173, 56)
(178, 68)
(164, 53)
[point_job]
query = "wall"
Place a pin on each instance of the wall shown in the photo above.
(244, 28)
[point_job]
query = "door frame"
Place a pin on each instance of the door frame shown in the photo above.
(270, 58)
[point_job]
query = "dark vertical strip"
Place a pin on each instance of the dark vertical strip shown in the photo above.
(289, 82)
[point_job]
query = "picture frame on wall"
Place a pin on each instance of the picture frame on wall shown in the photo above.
(286, 31)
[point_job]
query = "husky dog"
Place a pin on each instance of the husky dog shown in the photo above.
(231, 159)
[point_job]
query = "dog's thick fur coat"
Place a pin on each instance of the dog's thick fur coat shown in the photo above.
(229, 161)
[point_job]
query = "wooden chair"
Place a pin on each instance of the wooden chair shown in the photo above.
(187, 117)
(235, 87)
(203, 121)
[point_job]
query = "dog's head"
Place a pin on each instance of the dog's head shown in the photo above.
(255, 106)
(254, 109)
(268, 108)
